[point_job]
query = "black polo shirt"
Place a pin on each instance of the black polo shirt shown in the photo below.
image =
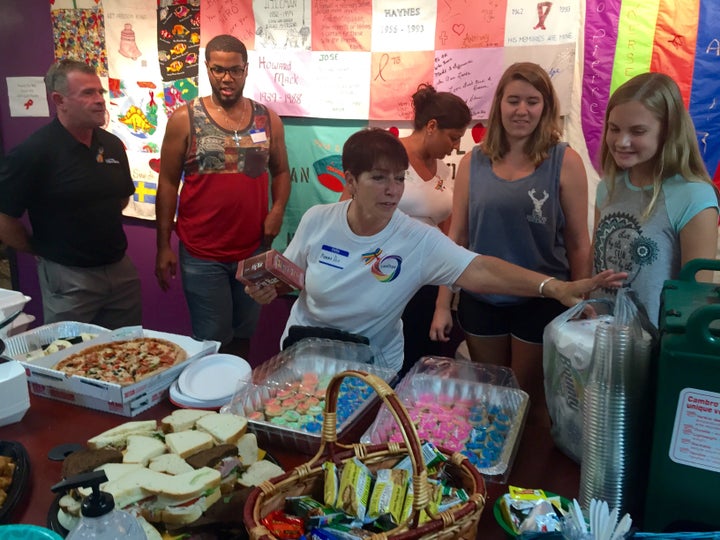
(73, 194)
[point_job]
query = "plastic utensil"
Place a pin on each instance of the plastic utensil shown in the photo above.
(579, 517)
(622, 528)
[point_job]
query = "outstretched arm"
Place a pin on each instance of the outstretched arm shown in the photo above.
(490, 275)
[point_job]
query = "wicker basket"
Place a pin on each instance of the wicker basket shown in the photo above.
(460, 522)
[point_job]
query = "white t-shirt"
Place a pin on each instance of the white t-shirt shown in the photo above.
(360, 284)
(429, 201)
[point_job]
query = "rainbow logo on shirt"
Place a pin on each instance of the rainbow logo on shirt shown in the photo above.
(385, 269)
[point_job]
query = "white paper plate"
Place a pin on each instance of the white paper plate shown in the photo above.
(181, 400)
(213, 377)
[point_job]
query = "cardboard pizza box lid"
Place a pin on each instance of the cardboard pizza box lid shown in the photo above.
(41, 372)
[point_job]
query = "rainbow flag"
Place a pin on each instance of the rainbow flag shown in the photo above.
(628, 37)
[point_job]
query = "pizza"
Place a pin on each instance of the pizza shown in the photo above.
(124, 362)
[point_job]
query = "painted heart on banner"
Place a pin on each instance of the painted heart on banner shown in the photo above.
(458, 29)
(394, 130)
(478, 132)
(154, 165)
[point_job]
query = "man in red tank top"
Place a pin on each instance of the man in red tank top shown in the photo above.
(230, 152)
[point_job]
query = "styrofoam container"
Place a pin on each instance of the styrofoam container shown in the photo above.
(11, 302)
(14, 397)
(126, 400)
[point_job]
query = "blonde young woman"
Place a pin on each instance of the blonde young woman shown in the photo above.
(521, 195)
(656, 207)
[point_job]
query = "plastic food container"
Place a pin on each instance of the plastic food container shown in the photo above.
(14, 396)
(453, 404)
(17, 347)
(285, 399)
(11, 302)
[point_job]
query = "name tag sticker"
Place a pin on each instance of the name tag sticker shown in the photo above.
(258, 135)
(332, 256)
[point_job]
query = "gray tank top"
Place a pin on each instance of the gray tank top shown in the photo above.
(520, 221)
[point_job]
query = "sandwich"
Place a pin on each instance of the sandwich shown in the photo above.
(180, 499)
(182, 419)
(117, 436)
(224, 459)
(258, 472)
(170, 464)
(187, 443)
(224, 428)
(142, 448)
(247, 449)
(87, 460)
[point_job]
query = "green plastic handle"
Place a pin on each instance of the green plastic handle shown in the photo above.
(698, 326)
(687, 273)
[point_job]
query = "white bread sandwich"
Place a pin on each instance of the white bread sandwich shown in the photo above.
(169, 464)
(183, 498)
(187, 443)
(223, 458)
(247, 449)
(117, 436)
(224, 428)
(142, 448)
(129, 489)
(182, 420)
(258, 472)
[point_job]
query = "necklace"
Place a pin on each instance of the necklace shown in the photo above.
(230, 121)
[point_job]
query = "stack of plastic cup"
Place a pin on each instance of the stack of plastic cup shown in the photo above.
(613, 417)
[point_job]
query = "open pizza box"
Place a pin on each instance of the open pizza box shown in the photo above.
(126, 400)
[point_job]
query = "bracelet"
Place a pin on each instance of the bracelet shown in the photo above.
(542, 285)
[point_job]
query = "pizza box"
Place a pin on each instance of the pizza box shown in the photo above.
(131, 407)
(112, 397)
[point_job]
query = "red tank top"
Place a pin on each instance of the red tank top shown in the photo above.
(224, 197)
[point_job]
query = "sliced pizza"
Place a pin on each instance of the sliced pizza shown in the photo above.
(124, 362)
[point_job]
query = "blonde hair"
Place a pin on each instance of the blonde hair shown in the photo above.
(546, 134)
(678, 154)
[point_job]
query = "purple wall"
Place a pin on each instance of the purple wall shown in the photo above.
(27, 49)
(26, 39)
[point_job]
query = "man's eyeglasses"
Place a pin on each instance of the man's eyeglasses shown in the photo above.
(234, 71)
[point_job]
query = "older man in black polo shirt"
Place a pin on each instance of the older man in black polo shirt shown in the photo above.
(73, 179)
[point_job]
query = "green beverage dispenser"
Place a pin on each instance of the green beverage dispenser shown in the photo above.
(684, 477)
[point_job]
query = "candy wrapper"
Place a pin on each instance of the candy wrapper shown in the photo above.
(331, 486)
(355, 484)
(388, 494)
(531, 510)
(313, 513)
(284, 526)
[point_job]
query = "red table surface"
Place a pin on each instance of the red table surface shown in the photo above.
(49, 423)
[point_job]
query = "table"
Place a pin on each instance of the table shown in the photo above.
(49, 423)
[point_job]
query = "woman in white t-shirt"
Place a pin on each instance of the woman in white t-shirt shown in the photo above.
(439, 123)
(364, 261)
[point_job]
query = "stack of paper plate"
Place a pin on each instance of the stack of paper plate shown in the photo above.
(209, 382)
